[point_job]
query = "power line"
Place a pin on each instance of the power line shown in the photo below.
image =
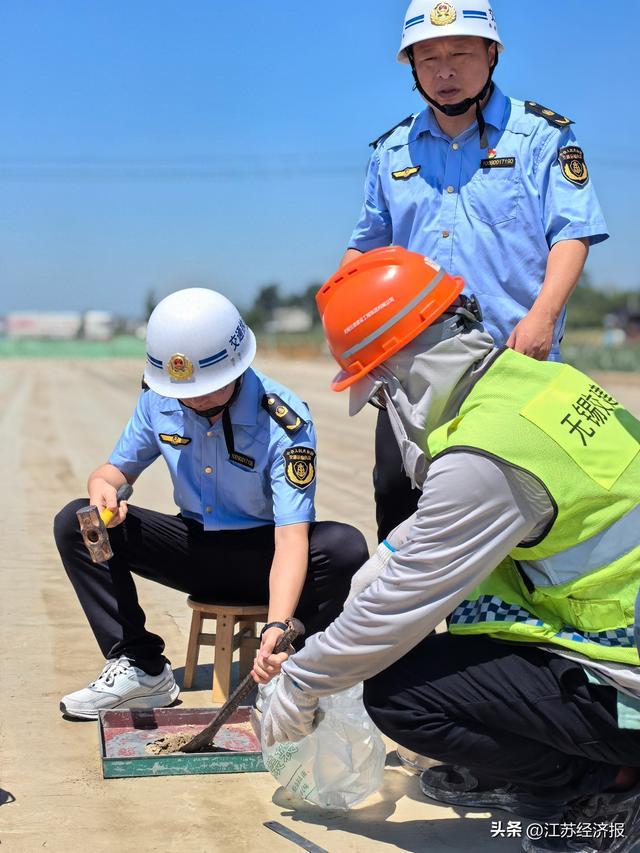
(204, 169)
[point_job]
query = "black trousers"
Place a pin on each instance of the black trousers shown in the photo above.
(509, 712)
(228, 565)
(395, 499)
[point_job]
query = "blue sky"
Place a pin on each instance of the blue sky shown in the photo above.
(163, 144)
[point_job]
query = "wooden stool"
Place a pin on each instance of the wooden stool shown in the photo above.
(224, 640)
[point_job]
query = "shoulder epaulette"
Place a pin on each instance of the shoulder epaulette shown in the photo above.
(554, 119)
(384, 135)
(282, 413)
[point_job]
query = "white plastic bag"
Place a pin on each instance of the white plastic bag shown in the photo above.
(340, 763)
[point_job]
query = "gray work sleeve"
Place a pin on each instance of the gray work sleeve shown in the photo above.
(473, 511)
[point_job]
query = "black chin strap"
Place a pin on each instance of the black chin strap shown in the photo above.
(215, 410)
(462, 106)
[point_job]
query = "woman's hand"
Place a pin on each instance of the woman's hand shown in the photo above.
(267, 665)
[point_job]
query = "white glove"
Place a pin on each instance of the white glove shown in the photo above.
(291, 714)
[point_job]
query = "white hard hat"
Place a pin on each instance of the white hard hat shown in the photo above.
(428, 20)
(197, 342)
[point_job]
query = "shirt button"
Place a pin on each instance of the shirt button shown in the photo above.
(455, 146)
(445, 233)
(208, 509)
(209, 434)
(208, 469)
(450, 189)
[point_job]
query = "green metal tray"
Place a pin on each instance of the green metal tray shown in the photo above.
(124, 734)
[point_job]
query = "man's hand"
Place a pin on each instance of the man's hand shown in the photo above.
(533, 336)
(103, 495)
(292, 713)
(266, 664)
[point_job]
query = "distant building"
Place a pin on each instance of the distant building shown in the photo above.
(59, 325)
(289, 320)
(98, 325)
(43, 325)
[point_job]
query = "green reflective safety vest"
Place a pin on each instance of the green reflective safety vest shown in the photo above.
(576, 585)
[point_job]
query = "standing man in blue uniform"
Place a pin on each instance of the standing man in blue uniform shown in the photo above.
(241, 452)
(495, 189)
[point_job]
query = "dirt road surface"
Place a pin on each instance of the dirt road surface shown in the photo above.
(59, 420)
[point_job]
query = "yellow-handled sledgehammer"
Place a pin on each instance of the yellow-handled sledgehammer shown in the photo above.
(93, 526)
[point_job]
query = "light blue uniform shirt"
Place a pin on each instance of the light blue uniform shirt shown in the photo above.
(207, 486)
(492, 226)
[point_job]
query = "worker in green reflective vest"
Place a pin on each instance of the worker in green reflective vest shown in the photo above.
(526, 538)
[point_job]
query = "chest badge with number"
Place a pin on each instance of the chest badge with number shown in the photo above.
(493, 162)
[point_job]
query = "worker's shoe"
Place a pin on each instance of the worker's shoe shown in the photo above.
(602, 823)
(121, 685)
(458, 786)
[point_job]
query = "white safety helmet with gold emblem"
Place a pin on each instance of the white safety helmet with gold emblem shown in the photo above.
(197, 342)
(429, 20)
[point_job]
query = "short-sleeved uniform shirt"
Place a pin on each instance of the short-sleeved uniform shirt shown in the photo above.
(491, 224)
(276, 483)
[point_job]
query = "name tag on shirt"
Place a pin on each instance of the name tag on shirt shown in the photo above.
(498, 163)
(242, 459)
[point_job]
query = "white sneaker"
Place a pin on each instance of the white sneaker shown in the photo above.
(121, 685)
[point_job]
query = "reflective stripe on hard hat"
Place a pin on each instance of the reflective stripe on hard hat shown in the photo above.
(393, 320)
(214, 359)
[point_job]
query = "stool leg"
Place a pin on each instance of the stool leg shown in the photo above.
(193, 647)
(246, 655)
(222, 659)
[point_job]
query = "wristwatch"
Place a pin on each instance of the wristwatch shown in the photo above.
(282, 625)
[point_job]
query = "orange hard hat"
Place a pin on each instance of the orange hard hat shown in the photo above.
(378, 303)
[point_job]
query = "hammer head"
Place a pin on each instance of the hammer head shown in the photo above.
(94, 534)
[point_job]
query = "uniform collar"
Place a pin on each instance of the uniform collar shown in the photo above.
(495, 113)
(497, 110)
(244, 411)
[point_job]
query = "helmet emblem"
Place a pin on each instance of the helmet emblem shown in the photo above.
(441, 14)
(179, 367)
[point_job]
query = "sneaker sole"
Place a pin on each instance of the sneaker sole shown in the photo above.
(153, 700)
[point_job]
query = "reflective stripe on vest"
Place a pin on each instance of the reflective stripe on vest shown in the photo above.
(600, 550)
